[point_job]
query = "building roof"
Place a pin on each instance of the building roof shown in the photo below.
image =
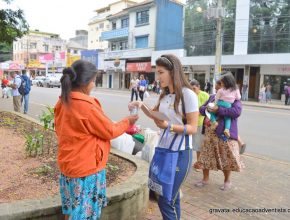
(42, 33)
(75, 45)
(147, 2)
(119, 14)
(108, 7)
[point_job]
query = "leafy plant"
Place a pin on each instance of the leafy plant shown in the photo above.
(47, 118)
(43, 170)
(34, 144)
(112, 167)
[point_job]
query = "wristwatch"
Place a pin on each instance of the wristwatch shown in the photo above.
(171, 128)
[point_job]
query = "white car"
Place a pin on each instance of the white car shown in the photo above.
(52, 81)
(38, 80)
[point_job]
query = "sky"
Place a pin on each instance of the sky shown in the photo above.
(61, 17)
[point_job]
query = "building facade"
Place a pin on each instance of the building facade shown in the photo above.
(99, 23)
(40, 52)
(256, 45)
(134, 34)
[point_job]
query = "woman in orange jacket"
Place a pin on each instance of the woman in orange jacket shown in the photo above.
(84, 133)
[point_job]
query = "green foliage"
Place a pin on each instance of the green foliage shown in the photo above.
(113, 168)
(43, 170)
(47, 118)
(8, 121)
(6, 51)
(12, 24)
(34, 144)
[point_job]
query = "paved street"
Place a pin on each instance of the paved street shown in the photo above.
(264, 184)
(265, 130)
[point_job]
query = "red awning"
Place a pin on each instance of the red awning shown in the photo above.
(139, 67)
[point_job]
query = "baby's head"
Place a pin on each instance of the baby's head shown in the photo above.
(228, 81)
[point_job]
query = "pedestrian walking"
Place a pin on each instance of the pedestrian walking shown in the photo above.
(134, 88)
(26, 91)
(218, 153)
(142, 87)
(180, 105)
(197, 138)
(287, 94)
(268, 93)
(15, 93)
(84, 132)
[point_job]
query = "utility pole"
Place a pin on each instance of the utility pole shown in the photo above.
(218, 51)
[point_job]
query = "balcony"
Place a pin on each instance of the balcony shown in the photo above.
(115, 34)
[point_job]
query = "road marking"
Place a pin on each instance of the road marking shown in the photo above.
(35, 103)
(277, 113)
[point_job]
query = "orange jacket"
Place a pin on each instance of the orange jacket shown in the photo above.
(84, 133)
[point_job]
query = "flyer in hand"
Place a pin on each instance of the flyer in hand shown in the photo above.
(154, 114)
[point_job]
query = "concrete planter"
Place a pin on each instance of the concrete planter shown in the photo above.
(127, 200)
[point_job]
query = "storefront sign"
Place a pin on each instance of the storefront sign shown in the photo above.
(90, 56)
(111, 65)
(139, 67)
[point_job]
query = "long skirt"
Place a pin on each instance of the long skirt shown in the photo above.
(217, 154)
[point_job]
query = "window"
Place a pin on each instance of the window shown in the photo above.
(113, 46)
(45, 47)
(101, 25)
(123, 45)
(142, 17)
(125, 22)
(142, 42)
(75, 51)
(100, 39)
(114, 25)
(33, 45)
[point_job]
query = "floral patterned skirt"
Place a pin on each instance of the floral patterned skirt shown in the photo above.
(217, 154)
(83, 198)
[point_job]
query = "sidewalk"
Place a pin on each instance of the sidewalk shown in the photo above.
(264, 183)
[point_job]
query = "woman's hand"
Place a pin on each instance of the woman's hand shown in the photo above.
(213, 109)
(137, 104)
(161, 124)
(132, 119)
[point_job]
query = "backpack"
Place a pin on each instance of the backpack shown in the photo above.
(22, 87)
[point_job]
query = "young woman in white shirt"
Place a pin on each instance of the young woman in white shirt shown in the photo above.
(175, 88)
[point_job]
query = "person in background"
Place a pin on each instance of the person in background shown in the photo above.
(134, 88)
(218, 153)
(15, 93)
(225, 97)
(262, 94)
(197, 138)
(207, 86)
(84, 132)
(4, 86)
(27, 88)
(245, 92)
(287, 94)
(142, 87)
(268, 93)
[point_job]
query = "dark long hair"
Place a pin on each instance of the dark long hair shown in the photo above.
(78, 75)
(171, 63)
(229, 81)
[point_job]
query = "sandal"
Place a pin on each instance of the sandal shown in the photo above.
(226, 186)
(243, 148)
(201, 183)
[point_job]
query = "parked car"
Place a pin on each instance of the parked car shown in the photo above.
(38, 81)
(52, 81)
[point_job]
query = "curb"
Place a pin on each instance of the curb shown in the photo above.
(266, 106)
(261, 157)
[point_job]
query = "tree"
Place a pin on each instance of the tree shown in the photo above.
(12, 24)
(200, 31)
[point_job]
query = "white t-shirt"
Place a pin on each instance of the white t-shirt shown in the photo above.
(17, 82)
(134, 83)
(167, 107)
